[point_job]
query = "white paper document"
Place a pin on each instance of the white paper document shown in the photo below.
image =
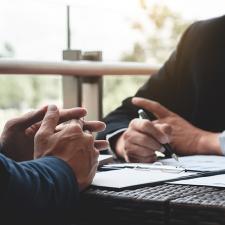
(212, 181)
(133, 177)
(122, 175)
(104, 159)
(198, 162)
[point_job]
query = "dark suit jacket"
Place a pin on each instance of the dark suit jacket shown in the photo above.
(42, 191)
(191, 83)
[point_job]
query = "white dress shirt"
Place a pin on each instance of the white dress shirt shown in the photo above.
(222, 142)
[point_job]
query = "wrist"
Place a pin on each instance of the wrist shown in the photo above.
(209, 144)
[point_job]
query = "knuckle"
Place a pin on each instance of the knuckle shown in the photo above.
(126, 134)
(76, 128)
(129, 137)
(162, 133)
(144, 139)
(161, 138)
(50, 116)
(167, 129)
(133, 123)
(144, 124)
(89, 138)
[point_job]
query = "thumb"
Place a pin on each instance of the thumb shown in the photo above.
(154, 107)
(50, 120)
(30, 118)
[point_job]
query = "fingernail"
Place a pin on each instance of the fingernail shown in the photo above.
(52, 107)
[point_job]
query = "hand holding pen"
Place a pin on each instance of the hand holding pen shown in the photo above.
(167, 147)
(157, 111)
(140, 141)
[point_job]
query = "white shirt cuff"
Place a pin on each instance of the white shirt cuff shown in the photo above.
(109, 136)
(222, 142)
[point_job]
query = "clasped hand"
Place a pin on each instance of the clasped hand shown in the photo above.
(37, 134)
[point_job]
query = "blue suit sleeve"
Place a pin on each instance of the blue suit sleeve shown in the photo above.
(39, 190)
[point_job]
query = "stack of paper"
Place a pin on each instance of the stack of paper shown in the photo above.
(136, 174)
(104, 159)
(198, 162)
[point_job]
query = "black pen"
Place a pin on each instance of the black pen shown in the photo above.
(142, 115)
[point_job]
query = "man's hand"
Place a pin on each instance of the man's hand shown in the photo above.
(71, 144)
(141, 139)
(16, 143)
(17, 138)
(185, 138)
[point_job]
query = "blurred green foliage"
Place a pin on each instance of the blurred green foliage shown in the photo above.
(158, 40)
(22, 92)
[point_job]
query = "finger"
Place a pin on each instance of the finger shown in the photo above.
(140, 140)
(50, 120)
(63, 126)
(32, 130)
(94, 126)
(101, 144)
(71, 131)
(147, 127)
(30, 118)
(134, 146)
(152, 106)
(69, 114)
(134, 149)
(138, 159)
(143, 141)
(79, 122)
(65, 115)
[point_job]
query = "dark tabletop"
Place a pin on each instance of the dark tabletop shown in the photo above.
(161, 204)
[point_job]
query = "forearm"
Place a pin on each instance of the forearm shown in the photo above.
(52, 176)
(45, 188)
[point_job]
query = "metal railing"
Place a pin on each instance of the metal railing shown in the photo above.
(77, 74)
(74, 68)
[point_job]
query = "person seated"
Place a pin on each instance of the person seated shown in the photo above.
(44, 166)
(186, 96)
